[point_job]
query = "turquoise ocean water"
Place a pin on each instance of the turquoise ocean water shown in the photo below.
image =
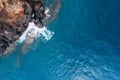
(85, 46)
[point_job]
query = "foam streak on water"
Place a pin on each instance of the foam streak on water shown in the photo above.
(36, 32)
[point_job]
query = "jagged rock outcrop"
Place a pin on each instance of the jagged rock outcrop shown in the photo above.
(14, 18)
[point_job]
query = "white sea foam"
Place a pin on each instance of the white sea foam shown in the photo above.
(36, 32)
(47, 11)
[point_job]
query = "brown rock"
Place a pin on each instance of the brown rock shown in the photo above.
(14, 18)
(14, 14)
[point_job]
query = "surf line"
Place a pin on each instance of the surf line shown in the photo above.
(33, 31)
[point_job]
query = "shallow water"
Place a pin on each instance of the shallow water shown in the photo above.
(85, 46)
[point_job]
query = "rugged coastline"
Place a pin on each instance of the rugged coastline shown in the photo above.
(14, 18)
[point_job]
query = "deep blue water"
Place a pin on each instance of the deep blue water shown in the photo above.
(85, 46)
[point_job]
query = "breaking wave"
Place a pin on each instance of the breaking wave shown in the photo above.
(36, 32)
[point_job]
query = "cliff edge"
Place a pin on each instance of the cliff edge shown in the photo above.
(14, 18)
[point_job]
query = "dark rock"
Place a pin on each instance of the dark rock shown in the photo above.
(14, 18)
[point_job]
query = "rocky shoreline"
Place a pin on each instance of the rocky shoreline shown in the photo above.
(14, 18)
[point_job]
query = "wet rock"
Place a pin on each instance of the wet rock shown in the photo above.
(54, 7)
(14, 18)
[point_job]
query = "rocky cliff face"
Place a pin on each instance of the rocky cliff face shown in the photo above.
(14, 18)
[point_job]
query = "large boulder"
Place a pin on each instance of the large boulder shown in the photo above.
(13, 19)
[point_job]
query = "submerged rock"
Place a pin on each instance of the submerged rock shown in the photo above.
(14, 18)
(54, 7)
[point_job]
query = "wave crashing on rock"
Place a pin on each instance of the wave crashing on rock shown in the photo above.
(24, 21)
(33, 32)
